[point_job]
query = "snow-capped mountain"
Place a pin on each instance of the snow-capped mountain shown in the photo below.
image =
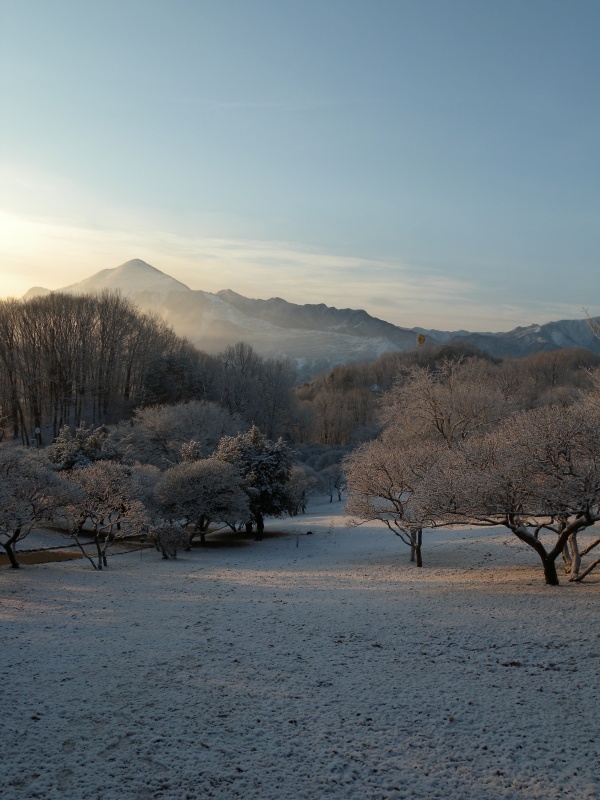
(524, 340)
(316, 337)
(131, 279)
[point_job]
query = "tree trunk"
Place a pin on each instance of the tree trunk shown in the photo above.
(99, 551)
(419, 556)
(416, 540)
(260, 526)
(550, 574)
(11, 556)
(80, 546)
(580, 576)
(548, 559)
(202, 527)
(575, 556)
(418, 547)
(566, 559)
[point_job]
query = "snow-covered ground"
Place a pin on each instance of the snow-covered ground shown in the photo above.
(43, 540)
(302, 667)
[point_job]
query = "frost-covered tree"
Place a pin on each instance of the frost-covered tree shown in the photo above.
(156, 433)
(111, 503)
(85, 445)
(538, 474)
(264, 466)
(302, 482)
(191, 451)
(384, 481)
(169, 539)
(332, 480)
(455, 400)
(30, 495)
(196, 493)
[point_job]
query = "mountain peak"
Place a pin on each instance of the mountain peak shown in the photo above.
(139, 266)
(132, 278)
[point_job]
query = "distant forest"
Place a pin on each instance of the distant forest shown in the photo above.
(97, 359)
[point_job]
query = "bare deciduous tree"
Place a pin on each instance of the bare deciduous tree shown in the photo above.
(450, 403)
(384, 481)
(538, 474)
(111, 504)
(67, 358)
(332, 480)
(257, 390)
(302, 482)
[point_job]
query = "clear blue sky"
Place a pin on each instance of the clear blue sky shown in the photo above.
(435, 162)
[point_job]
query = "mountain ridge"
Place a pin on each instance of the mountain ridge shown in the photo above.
(315, 336)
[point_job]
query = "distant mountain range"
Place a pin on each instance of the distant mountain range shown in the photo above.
(316, 337)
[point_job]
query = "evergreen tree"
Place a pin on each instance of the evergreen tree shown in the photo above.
(265, 468)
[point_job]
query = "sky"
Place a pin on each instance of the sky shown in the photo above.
(435, 162)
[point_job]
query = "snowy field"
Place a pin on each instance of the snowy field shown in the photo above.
(302, 667)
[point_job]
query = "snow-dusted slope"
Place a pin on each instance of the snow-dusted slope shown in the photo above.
(131, 279)
(522, 341)
(212, 324)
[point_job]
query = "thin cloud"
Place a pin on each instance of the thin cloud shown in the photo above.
(37, 250)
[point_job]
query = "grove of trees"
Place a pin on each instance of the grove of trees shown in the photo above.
(195, 493)
(92, 497)
(67, 358)
(96, 359)
(456, 448)
(135, 430)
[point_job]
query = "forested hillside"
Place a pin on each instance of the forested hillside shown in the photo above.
(343, 406)
(65, 359)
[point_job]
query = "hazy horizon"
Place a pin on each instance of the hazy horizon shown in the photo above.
(435, 164)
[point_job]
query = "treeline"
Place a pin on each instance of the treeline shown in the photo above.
(97, 359)
(343, 406)
(66, 359)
